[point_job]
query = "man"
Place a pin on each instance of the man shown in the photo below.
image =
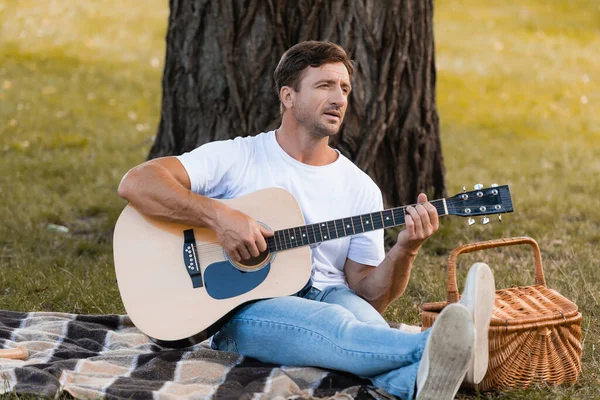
(336, 323)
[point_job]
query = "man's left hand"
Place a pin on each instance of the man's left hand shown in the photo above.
(421, 221)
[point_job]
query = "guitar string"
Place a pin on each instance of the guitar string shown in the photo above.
(286, 244)
(340, 220)
(216, 249)
(311, 229)
(293, 242)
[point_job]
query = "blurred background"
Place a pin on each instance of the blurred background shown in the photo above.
(518, 93)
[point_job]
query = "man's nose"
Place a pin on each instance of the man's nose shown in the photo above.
(339, 97)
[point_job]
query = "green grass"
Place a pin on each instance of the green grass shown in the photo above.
(519, 100)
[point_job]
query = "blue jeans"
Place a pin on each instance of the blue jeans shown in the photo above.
(333, 329)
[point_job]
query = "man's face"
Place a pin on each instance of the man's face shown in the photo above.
(321, 103)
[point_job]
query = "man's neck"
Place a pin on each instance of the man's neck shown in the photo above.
(304, 147)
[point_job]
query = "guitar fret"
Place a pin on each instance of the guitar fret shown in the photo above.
(319, 233)
(330, 229)
(327, 236)
(388, 218)
(314, 234)
(271, 246)
(285, 239)
(348, 226)
(368, 222)
(361, 223)
(376, 220)
(356, 224)
(278, 234)
(439, 206)
(305, 240)
(398, 214)
(339, 228)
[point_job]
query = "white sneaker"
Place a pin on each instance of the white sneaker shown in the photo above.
(447, 354)
(478, 297)
(409, 328)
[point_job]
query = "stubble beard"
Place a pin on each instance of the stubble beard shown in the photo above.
(315, 127)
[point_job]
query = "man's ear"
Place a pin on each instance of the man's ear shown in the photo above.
(286, 96)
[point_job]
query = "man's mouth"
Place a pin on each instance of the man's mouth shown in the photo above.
(334, 114)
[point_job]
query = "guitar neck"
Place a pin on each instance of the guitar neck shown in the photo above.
(306, 235)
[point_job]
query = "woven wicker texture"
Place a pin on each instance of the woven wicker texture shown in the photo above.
(535, 333)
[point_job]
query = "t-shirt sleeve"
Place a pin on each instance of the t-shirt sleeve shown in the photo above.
(214, 167)
(368, 248)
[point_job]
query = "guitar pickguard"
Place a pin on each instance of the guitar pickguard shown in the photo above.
(223, 281)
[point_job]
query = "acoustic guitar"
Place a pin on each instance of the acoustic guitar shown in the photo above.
(179, 286)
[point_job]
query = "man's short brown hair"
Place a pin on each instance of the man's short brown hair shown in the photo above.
(308, 54)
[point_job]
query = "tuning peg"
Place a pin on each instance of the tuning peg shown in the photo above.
(470, 221)
(485, 220)
(499, 217)
(494, 185)
(464, 189)
(479, 186)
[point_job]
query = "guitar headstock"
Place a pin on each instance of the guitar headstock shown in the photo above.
(481, 201)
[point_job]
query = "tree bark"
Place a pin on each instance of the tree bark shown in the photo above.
(218, 81)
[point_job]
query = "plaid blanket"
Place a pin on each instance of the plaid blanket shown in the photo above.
(105, 356)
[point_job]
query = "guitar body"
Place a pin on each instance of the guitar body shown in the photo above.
(178, 292)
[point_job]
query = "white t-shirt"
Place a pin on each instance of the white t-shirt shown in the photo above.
(233, 168)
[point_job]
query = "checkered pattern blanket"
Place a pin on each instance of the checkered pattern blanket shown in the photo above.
(105, 356)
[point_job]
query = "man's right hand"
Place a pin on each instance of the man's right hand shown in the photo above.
(240, 235)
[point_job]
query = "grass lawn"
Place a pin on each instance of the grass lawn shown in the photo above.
(519, 101)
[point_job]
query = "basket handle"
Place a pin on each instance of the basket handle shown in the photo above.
(452, 287)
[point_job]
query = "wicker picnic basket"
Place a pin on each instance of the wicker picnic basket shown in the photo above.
(535, 333)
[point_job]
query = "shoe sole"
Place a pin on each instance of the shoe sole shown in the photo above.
(450, 350)
(478, 297)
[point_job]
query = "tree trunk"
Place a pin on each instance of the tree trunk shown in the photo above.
(218, 81)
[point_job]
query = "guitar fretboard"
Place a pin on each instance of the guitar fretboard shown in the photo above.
(305, 235)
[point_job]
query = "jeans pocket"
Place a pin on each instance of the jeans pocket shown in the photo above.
(224, 343)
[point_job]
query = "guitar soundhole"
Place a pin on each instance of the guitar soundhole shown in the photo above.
(256, 262)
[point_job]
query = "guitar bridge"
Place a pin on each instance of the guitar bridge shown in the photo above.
(190, 258)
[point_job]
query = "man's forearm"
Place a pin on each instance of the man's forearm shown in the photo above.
(155, 192)
(388, 281)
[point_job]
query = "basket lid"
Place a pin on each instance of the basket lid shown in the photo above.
(530, 304)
